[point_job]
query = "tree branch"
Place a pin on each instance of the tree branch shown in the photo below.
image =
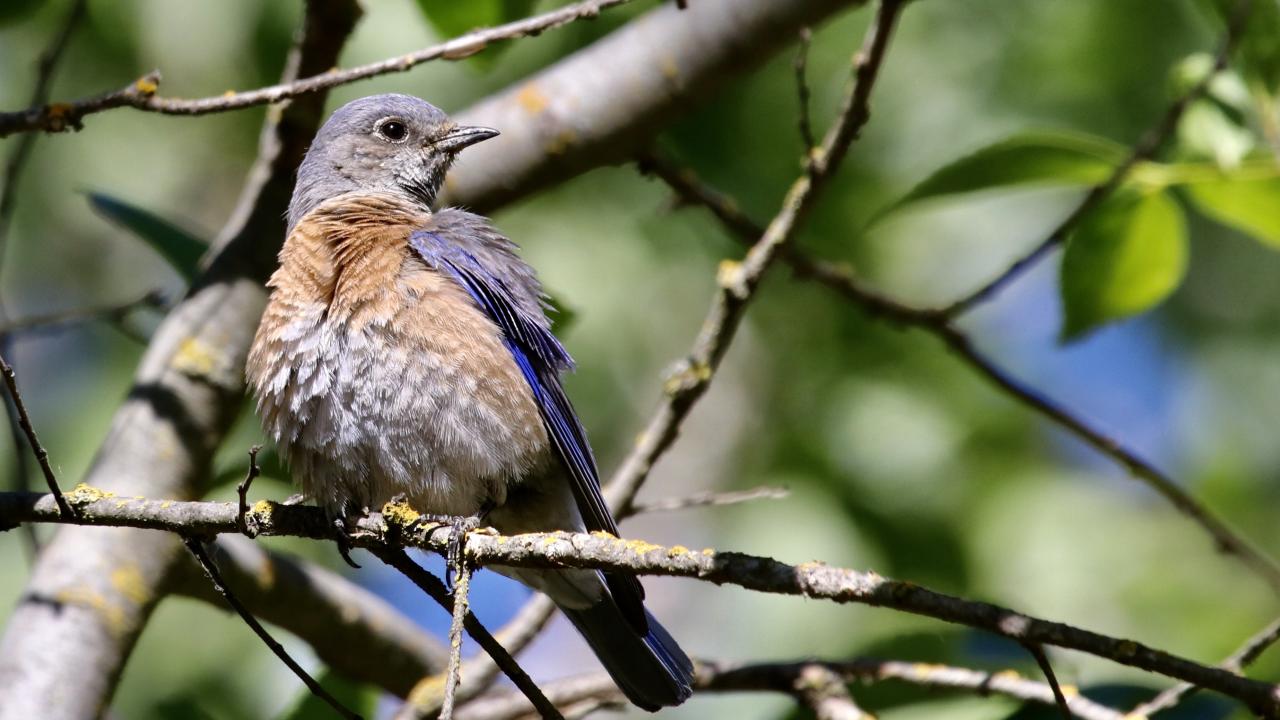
(114, 312)
(737, 281)
(397, 526)
(141, 94)
(1251, 650)
(690, 188)
(211, 570)
(355, 632)
(24, 422)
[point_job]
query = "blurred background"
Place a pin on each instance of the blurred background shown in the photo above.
(898, 458)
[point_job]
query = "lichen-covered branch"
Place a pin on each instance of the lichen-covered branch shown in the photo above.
(397, 526)
(142, 93)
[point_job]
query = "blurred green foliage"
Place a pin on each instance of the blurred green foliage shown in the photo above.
(997, 112)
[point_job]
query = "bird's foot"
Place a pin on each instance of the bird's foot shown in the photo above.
(342, 526)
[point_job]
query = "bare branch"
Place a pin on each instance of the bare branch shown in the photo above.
(1143, 150)
(842, 280)
(461, 588)
(352, 630)
(17, 161)
(710, 498)
(197, 550)
(141, 94)
(432, 586)
(1251, 650)
(479, 673)
(114, 312)
(1042, 659)
(738, 281)
(600, 551)
(24, 422)
(800, 66)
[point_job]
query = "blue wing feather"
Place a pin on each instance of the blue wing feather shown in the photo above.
(540, 357)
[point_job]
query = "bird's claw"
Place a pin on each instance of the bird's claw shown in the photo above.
(341, 526)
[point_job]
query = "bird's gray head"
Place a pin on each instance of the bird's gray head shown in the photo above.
(389, 143)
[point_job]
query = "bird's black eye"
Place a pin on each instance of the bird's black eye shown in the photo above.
(393, 130)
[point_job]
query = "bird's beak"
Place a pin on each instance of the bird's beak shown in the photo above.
(464, 136)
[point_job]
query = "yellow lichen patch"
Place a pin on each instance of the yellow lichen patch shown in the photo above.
(146, 86)
(1134, 716)
(228, 93)
(531, 99)
(400, 513)
(128, 581)
(112, 615)
(1007, 675)
(194, 357)
(641, 546)
(925, 669)
(603, 534)
(1069, 691)
(166, 504)
(670, 70)
(83, 494)
(262, 510)
(561, 142)
(708, 552)
(675, 550)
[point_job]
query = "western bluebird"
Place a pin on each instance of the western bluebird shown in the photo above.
(406, 351)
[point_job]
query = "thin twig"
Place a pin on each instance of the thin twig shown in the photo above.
(197, 549)
(737, 281)
(1042, 659)
(710, 498)
(242, 492)
(24, 422)
(112, 313)
(461, 588)
(603, 552)
(141, 94)
(435, 588)
(842, 280)
(17, 161)
(1143, 150)
(800, 65)
(1251, 650)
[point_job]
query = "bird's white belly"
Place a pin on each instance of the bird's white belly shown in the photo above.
(363, 415)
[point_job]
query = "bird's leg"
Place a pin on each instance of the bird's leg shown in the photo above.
(458, 529)
(342, 525)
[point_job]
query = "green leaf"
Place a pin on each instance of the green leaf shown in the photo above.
(182, 249)
(1250, 205)
(456, 17)
(1043, 158)
(359, 699)
(1124, 258)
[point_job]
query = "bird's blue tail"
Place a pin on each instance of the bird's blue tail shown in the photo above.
(651, 669)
